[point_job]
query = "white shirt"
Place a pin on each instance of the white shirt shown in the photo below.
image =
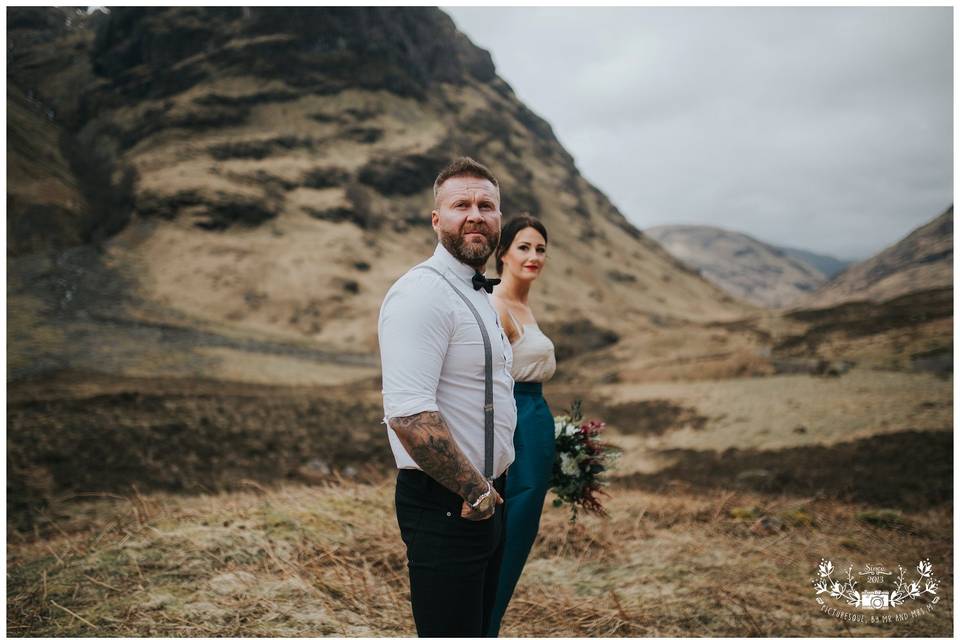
(432, 358)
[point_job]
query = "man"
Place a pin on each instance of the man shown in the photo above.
(448, 402)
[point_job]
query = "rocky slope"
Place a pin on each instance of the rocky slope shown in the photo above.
(46, 202)
(922, 260)
(751, 270)
(270, 174)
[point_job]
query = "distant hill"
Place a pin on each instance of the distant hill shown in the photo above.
(922, 260)
(747, 268)
(827, 265)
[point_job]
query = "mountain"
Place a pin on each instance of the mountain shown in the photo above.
(207, 205)
(827, 265)
(236, 189)
(754, 271)
(922, 260)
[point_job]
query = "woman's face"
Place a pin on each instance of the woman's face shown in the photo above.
(527, 254)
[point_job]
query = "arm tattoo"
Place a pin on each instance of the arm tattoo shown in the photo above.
(428, 440)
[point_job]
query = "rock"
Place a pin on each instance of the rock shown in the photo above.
(258, 149)
(316, 471)
(795, 365)
(518, 198)
(834, 368)
(325, 178)
(404, 175)
(212, 211)
(619, 276)
(813, 366)
(318, 466)
(335, 214)
(937, 361)
(363, 135)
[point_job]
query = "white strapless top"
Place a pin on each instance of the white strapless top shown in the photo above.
(533, 355)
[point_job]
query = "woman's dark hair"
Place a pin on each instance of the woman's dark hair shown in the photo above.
(510, 230)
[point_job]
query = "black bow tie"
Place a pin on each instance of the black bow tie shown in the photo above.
(487, 283)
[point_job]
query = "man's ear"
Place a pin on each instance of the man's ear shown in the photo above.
(434, 219)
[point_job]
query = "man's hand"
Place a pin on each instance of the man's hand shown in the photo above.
(470, 513)
(427, 439)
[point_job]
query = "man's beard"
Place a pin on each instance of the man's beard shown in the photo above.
(471, 253)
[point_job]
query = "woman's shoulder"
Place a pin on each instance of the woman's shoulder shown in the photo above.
(506, 318)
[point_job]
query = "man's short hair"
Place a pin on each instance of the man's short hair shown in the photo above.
(463, 166)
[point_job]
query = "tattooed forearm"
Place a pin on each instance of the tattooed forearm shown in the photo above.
(429, 442)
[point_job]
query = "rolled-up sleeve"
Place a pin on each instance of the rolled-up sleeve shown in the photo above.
(414, 331)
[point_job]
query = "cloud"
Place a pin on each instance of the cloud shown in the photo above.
(829, 129)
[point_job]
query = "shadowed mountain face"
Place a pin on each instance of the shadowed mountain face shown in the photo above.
(151, 53)
(748, 269)
(922, 260)
(267, 174)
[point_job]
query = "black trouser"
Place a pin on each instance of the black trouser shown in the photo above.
(454, 563)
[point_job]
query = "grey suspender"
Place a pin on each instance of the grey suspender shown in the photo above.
(487, 381)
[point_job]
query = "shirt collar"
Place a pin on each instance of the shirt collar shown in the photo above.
(446, 259)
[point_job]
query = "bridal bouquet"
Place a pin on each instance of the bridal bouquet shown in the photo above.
(580, 462)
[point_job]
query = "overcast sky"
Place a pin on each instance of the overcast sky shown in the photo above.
(828, 129)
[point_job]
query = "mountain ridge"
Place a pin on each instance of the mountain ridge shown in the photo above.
(745, 267)
(277, 184)
(923, 259)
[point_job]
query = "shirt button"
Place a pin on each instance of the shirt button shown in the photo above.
(449, 514)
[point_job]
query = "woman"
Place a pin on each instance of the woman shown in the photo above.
(520, 260)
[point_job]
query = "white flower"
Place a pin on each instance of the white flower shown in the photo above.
(569, 465)
(560, 425)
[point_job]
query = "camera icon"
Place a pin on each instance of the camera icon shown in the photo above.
(875, 600)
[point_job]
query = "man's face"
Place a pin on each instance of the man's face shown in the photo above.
(467, 219)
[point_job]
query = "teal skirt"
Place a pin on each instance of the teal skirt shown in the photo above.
(527, 481)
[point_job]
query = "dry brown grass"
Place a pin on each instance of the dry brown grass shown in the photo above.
(764, 412)
(328, 560)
